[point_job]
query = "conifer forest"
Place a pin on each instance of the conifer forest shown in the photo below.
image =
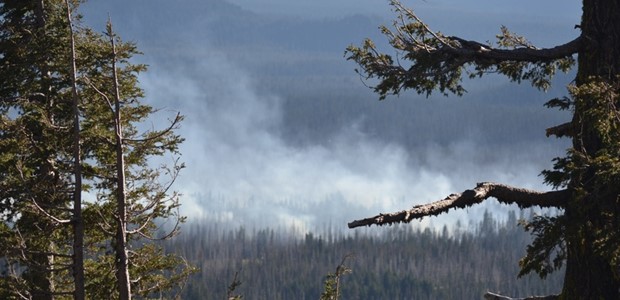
(353, 149)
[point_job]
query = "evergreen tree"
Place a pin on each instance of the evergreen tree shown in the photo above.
(585, 236)
(331, 288)
(131, 196)
(71, 109)
(37, 184)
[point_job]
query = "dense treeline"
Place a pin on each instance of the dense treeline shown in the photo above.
(403, 262)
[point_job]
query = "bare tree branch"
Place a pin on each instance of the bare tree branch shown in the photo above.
(139, 229)
(105, 225)
(103, 95)
(170, 233)
(157, 200)
(50, 216)
(493, 296)
(561, 130)
(474, 51)
(503, 193)
(173, 125)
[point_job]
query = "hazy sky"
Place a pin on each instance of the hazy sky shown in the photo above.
(240, 73)
(330, 8)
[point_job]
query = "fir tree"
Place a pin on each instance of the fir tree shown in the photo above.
(71, 111)
(585, 182)
(37, 183)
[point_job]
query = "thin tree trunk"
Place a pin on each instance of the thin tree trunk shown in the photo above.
(588, 274)
(122, 261)
(40, 13)
(42, 280)
(78, 225)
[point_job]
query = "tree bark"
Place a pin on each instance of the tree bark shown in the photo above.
(122, 260)
(588, 274)
(471, 51)
(503, 193)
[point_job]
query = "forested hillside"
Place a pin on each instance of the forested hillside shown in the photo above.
(402, 262)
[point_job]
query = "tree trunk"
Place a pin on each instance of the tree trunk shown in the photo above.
(79, 292)
(122, 259)
(588, 274)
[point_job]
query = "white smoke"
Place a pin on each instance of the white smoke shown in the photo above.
(240, 170)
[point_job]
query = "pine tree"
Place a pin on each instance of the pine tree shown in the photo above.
(69, 91)
(586, 182)
(331, 288)
(37, 175)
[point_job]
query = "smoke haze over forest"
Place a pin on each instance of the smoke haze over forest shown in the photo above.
(281, 132)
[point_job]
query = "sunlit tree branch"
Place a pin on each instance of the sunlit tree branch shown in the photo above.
(503, 193)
